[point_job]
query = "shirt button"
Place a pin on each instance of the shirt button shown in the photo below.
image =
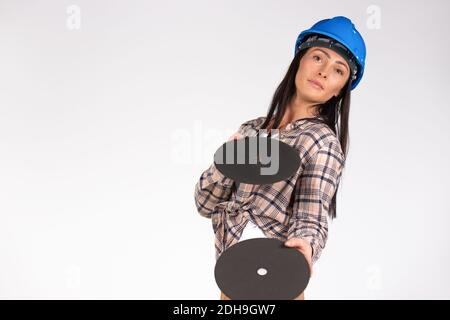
(215, 219)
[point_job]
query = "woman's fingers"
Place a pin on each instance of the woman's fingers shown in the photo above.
(237, 135)
(304, 247)
(295, 242)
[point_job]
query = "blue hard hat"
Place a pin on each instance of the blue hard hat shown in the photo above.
(342, 30)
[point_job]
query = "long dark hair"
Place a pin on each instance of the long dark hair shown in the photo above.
(333, 112)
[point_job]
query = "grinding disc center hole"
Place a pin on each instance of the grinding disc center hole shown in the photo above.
(262, 271)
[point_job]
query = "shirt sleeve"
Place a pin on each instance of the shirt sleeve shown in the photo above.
(314, 191)
(213, 187)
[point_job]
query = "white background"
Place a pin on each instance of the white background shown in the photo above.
(107, 122)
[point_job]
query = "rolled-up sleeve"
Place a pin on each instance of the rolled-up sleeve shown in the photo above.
(314, 191)
(212, 188)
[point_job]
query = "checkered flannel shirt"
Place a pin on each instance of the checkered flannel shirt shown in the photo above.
(295, 207)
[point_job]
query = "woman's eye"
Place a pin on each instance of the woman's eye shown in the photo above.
(340, 71)
(316, 57)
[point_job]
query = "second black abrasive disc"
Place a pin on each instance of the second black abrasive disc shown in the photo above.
(261, 269)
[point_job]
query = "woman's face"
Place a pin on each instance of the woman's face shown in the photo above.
(326, 67)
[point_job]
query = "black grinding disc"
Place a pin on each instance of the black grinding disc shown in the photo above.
(250, 167)
(261, 269)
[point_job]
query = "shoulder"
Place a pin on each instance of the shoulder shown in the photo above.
(318, 136)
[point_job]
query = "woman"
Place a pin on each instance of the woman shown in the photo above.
(311, 109)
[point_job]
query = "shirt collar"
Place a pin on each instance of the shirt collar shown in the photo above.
(296, 123)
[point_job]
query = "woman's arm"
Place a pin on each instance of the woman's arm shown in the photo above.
(314, 191)
(213, 187)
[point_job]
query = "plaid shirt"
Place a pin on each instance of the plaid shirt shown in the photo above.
(295, 207)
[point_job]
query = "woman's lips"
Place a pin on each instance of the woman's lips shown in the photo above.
(315, 84)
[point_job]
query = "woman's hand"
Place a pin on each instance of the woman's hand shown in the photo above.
(304, 247)
(235, 136)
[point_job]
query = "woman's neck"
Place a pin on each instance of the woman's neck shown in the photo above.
(298, 108)
(292, 114)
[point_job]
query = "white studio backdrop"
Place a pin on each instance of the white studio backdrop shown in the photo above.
(111, 110)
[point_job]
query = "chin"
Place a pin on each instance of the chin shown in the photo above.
(314, 95)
